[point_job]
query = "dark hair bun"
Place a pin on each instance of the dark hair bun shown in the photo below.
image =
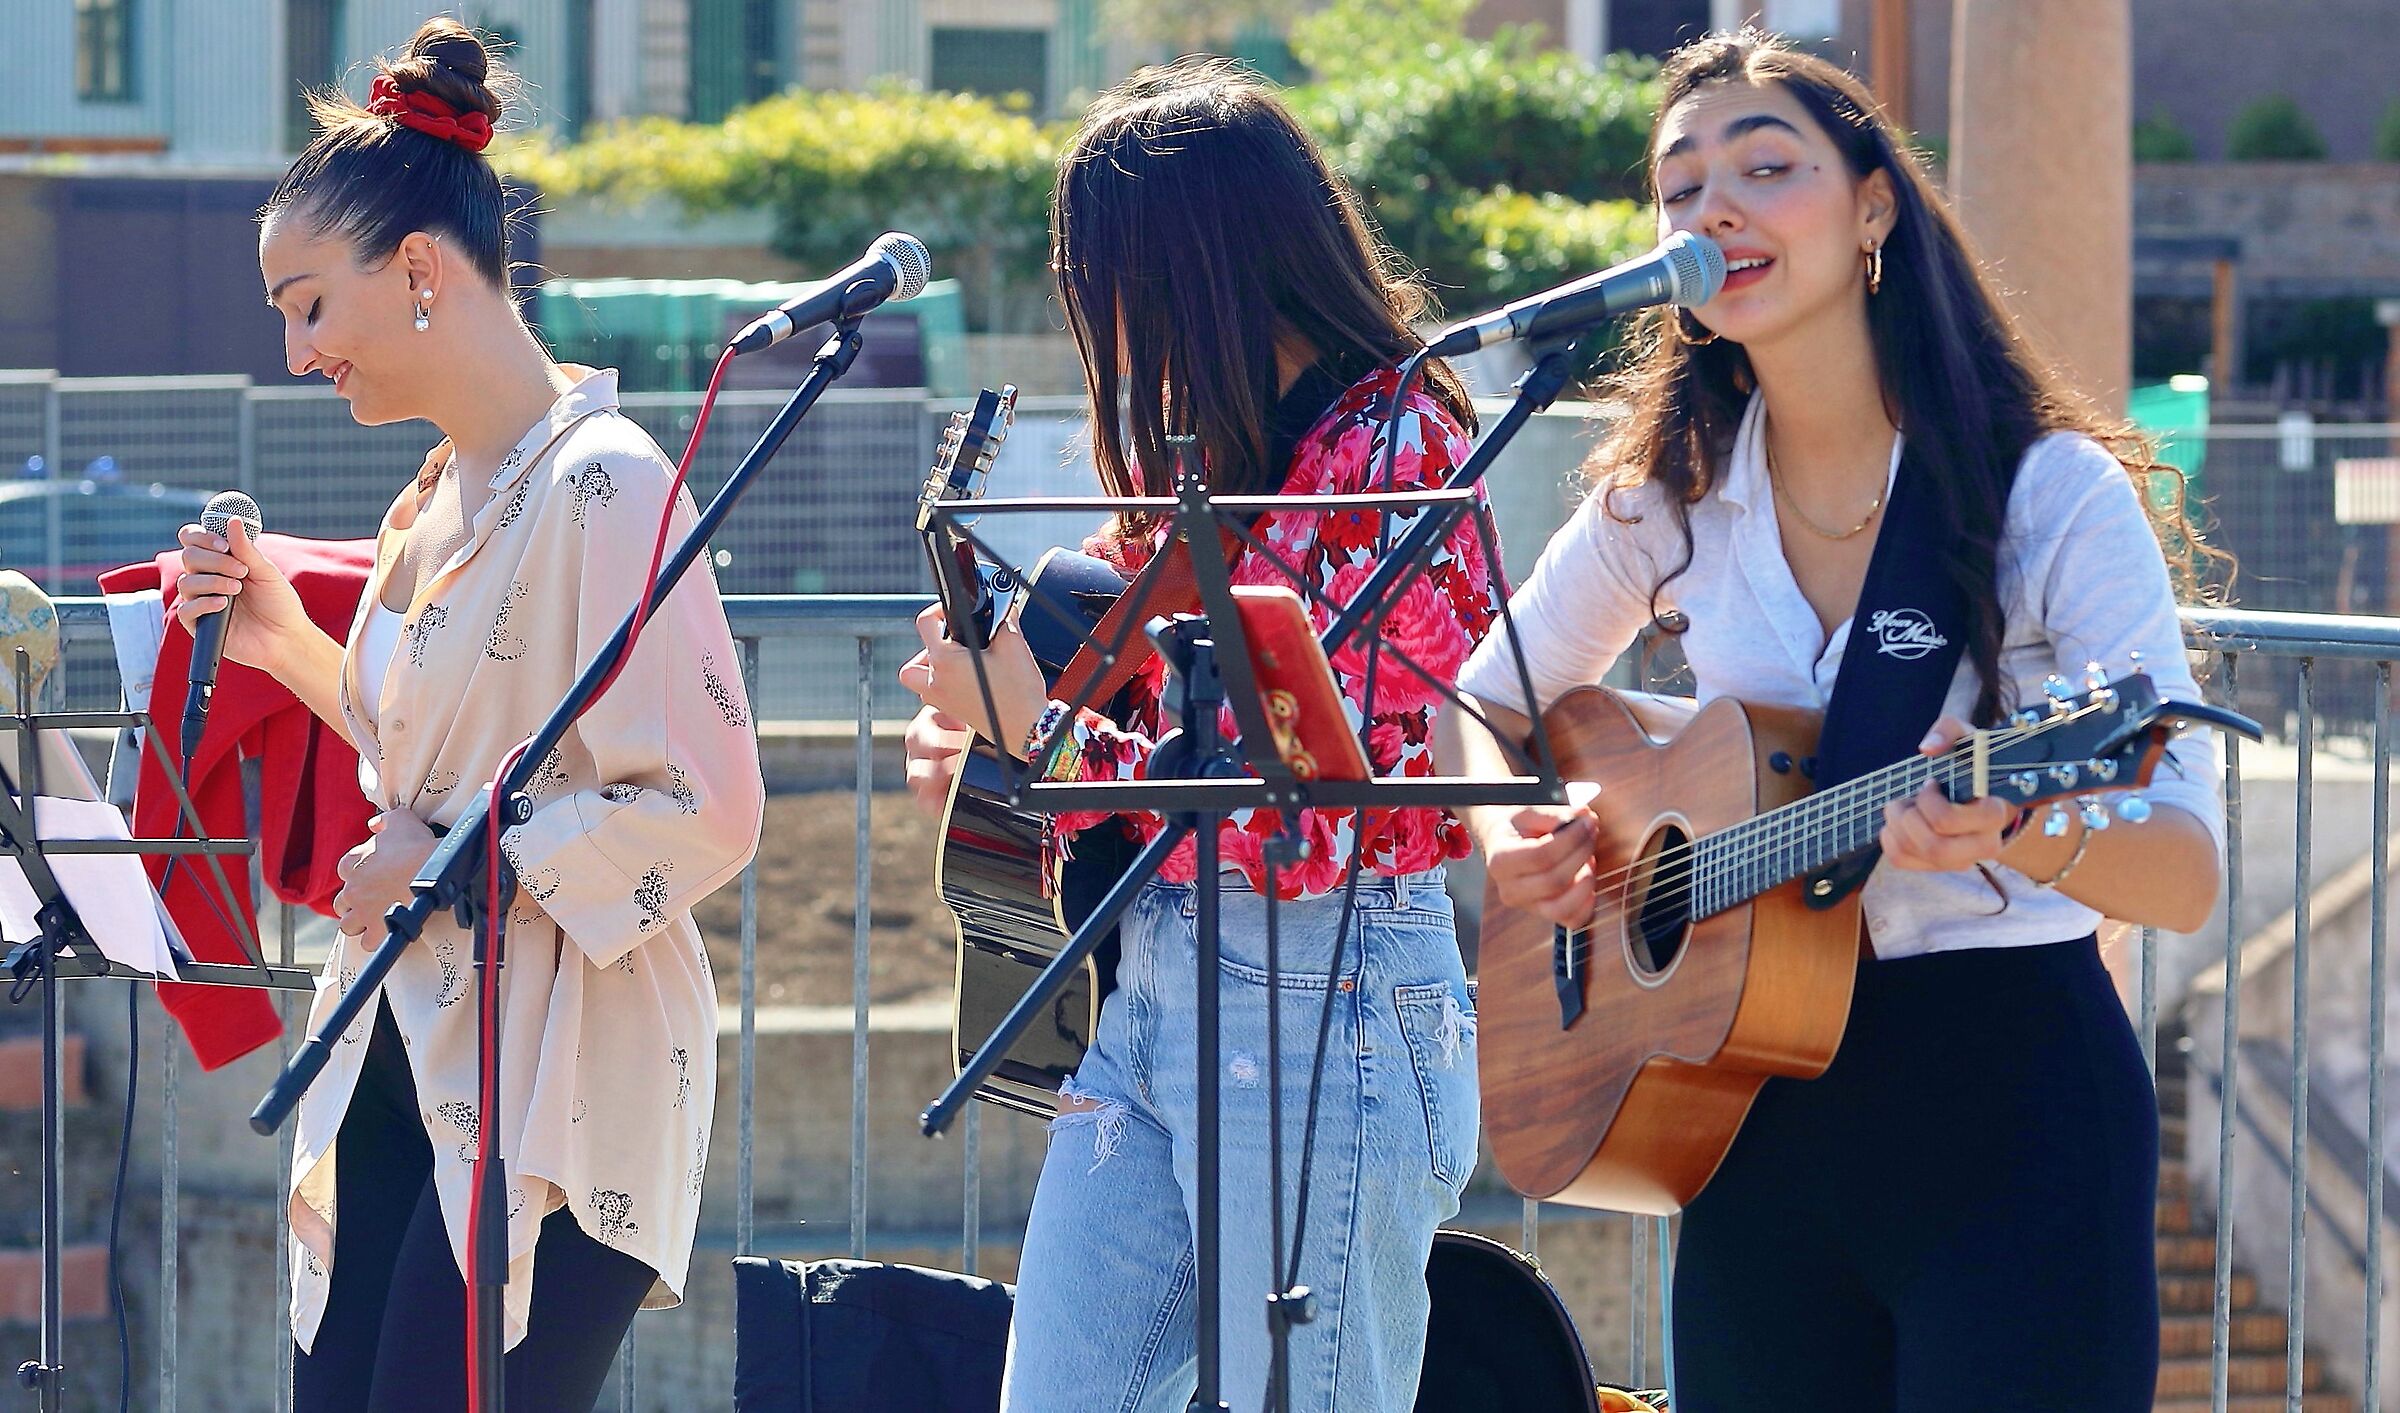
(449, 61)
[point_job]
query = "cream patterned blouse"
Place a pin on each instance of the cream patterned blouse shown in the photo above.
(652, 802)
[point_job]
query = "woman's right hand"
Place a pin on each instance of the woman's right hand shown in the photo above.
(1538, 859)
(935, 741)
(215, 571)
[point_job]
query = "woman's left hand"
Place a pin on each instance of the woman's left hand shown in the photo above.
(944, 675)
(376, 874)
(1933, 834)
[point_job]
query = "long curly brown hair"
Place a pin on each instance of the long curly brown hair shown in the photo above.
(1956, 371)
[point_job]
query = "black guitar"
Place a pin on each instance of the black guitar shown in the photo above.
(1013, 909)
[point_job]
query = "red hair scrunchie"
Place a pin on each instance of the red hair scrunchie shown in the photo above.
(429, 114)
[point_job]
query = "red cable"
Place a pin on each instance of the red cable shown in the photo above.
(487, 1090)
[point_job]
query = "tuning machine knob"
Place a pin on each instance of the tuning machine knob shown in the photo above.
(2095, 814)
(2057, 688)
(2054, 824)
(2132, 808)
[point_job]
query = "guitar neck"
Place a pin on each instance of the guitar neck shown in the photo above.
(1732, 866)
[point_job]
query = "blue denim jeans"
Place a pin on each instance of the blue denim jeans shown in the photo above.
(1105, 1315)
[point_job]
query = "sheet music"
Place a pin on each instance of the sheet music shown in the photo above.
(110, 892)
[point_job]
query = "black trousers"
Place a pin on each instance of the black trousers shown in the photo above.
(393, 1339)
(1959, 1215)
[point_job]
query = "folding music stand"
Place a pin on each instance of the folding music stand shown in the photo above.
(1207, 779)
(64, 949)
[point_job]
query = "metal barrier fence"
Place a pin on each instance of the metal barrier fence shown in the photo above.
(2285, 1013)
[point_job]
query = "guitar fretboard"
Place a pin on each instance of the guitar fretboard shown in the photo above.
(1766, 851)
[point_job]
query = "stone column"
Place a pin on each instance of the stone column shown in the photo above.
(2041, 164)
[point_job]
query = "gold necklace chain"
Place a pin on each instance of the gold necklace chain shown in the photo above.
(1784, 497)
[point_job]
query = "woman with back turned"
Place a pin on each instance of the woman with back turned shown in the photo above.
(1220, 281)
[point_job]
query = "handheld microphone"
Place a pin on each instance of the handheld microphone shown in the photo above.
(896, 266)
(28, 620)
(1686, 268)
(208, 635)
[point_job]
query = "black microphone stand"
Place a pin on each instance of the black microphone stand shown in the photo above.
(1203, 781)
(451, 880)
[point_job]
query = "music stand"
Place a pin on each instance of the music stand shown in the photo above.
(1208, 779)
(64, 949)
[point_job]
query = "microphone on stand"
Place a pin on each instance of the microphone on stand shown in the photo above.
(895, 267)
(28, 620)
(208, 635)
(1686, 268)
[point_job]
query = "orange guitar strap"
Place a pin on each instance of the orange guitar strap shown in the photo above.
(1165, 586)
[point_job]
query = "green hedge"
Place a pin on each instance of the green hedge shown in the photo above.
(1496, 167)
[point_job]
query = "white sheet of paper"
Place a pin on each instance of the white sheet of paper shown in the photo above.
(110, 892)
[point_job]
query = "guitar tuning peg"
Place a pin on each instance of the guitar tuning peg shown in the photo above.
(2095, 815)
(2095, 677)
(2133, 809)
(2134, 657)
(2057, 688)
(2054, 824)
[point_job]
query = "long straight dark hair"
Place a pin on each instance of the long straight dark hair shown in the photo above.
(1194, 223)
(1957, 374)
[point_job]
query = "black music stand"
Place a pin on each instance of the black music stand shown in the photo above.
(65, 950)
(1207, 779)
(452, 880)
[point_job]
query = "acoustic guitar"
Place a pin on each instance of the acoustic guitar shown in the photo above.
(1619, 1061)
(1014, 905)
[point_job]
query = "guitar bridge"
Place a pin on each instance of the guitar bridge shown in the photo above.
(1570, 955)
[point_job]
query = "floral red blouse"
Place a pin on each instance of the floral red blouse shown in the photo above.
(1443, 614)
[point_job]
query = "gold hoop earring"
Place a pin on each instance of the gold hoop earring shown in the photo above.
(1684, 324)
(1874, 270)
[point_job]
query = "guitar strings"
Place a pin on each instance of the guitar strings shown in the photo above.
(1846, 805)
(1674, 873)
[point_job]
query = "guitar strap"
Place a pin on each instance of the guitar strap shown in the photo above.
(1906, 638)
(1165, 585)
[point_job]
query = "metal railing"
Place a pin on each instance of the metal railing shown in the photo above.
(2317, 1185)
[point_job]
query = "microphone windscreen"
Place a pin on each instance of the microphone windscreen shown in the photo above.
(1697, 266)
(910, 257)
(28, 620)
(225, 507)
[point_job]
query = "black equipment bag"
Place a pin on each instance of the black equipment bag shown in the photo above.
(865, 1337)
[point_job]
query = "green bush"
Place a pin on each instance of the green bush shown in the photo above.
(2159, 138)
(1499, 245)
(2387, 134)
(2273, 129)
(1496, 167)
(968, 176)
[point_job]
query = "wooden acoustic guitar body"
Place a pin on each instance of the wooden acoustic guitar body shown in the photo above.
(1632, 1106)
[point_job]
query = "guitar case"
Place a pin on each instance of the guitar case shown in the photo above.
(1499, 1339)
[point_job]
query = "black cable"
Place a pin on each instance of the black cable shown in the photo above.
(133, 1082)
(1358, 847)
(116, 1203)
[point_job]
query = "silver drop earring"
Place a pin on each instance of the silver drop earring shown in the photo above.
(424, 318)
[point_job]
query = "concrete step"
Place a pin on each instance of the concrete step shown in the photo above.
(2185, 1255)
(2248, 1331)
(2262, 1403)
(2244, 1374)
(2196, 1295)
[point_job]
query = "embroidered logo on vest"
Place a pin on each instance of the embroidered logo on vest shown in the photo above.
(1905, 633)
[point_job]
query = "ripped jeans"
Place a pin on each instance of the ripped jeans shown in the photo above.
(1105, 1313)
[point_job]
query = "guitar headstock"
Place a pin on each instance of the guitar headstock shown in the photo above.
(967, 449)
(2106, 738)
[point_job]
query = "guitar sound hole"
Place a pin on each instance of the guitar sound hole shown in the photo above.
(1665, 918)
